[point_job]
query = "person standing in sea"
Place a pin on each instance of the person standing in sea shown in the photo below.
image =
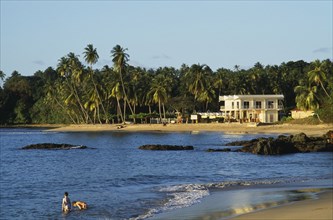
(66, 203)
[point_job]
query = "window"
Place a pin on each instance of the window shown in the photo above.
(232, 105)
(246, 104)
(237, 105)
(258, 104)
(270, 104)
(222, 105)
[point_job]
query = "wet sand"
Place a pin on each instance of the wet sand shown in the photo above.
(316, 209)
(295, 201)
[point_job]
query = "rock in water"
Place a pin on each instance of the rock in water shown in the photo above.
(299, 143)
(50, 146)
(165, 147)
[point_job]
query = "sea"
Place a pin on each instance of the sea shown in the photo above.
(119, 181)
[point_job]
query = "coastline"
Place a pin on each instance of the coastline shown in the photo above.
(232, 128)
(318, 207)
(286, 201)
(321, 208)
(315, 209)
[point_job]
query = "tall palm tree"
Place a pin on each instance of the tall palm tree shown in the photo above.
(91, 57)
(198, 77)
(158, 93)
(306, 98)
(53, 93)
(116, 92)
(207, 96)
(70, 68)
(318, 75)
(120, 59)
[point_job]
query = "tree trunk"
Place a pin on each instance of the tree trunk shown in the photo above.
(125, 103)
(124, 91)
(159, 109)
(72, 119)
(163, 110)
(119, 112)
(322, 86)
(99, 97)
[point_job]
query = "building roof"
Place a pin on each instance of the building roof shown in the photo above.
(234, 97)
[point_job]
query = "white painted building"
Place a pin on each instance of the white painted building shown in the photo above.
(251, 108)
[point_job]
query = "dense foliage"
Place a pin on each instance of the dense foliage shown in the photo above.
(75, 93)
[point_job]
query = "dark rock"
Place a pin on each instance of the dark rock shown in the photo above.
(219, 150)
(298, 143)
(165, 147)
(242, 143)
(50, 146)
(299, 138)
(273, 147)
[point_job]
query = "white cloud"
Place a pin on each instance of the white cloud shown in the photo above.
(323, 50)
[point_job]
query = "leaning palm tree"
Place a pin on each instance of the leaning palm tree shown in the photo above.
(306, 98)
(91, 57)
(120, 59)
(318, 75)
(70, 68)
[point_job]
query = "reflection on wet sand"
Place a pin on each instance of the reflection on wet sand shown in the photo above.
(285, 197)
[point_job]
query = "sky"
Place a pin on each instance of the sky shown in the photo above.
(220, 34)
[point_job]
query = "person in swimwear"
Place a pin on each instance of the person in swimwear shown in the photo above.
(66, 203)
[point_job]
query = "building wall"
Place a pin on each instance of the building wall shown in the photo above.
(254, 108)
(298, 114)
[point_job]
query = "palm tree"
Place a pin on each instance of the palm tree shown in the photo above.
(318, 75)
(306, 98)
(198, 77)
(2, 75)
(116, 92)
(53, 93)
(71, 69)
(207, 96)
(120, 59)
(158, 93)
(91, 57)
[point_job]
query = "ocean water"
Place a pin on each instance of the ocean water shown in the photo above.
(119, 181)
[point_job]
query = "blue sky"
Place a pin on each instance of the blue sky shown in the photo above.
(36, 34)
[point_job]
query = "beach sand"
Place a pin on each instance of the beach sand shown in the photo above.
(279, 202)
(235, 128)
(317, 209)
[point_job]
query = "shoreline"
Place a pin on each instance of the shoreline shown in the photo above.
(291, 209)
(320, 208)
(233, 128)
(286, 201)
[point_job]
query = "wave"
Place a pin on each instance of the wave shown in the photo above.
(184, 195)
(178, 196)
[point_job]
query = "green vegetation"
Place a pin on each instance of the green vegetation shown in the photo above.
(75, 93)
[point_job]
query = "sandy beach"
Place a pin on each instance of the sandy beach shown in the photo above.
(236, 128)
(318, 209)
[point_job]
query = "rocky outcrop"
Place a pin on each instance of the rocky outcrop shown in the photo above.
(50, 146)
(165, 147)
(299, 143)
